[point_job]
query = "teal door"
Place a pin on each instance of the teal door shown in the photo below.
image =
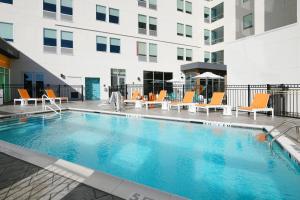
(92, 88)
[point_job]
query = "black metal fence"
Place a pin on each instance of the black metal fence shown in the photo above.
(73, 92)
(285, 98)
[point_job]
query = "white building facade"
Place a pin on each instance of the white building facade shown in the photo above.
(101, 41)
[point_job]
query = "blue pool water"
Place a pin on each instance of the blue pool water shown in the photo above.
(190, 160)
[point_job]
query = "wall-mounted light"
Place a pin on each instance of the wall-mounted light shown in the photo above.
(62, 76)
(138, 78)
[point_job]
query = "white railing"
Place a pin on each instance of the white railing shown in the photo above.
(52, 102)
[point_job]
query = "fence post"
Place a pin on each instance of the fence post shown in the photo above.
(182, 92)
(270, 102)
(82, 93)
(59, 91)
(249, 95)
(126, 94)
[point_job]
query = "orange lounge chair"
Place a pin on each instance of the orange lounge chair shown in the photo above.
(50, 93)
(25, 98)
(161, 97)
(259, 104)
(187, 101)
(216, 102)
(134, 97)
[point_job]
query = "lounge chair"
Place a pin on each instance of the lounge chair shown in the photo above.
(50, 93)
(259, 104)
(134, 97)
(25, 98)
(216, 102)
(187, 101)
(160, 99)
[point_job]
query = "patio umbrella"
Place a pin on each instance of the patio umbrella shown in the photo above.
(175, 81)
(208, 75)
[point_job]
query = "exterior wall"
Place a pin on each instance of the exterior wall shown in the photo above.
(266, 57)
(280, 13)
(27, 17)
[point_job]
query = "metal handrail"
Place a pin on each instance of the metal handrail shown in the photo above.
(284, 132)
(279, 125)
(52, 102)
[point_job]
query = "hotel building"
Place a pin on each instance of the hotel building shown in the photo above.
(102, 43)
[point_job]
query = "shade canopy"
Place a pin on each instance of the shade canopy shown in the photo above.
(175, 81)
(208, 75)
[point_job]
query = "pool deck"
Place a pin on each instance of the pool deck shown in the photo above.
(45, 177)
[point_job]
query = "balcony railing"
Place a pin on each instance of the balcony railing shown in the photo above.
(143, 31)
(142, 58)
(217, 17)
(217, 40)
(153, 32)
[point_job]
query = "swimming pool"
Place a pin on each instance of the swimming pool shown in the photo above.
(191, 160)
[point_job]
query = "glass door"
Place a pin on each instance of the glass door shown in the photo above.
(39, 83)
(28, 83)
(34, 84)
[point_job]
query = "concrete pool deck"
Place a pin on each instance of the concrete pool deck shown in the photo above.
(89, 182)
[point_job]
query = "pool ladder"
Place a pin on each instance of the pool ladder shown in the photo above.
(52, 102)
(293, 126)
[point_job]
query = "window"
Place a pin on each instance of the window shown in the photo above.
(217, 35)
(115, 45)
(152, 52)
(50, 37)
(152, 26)
(6, 31)
(142, 24)
(180, 53)
(66, 7)
(180, 5)
(217, 12)
(217, 57)
(188, 54)
(153, 4)
(180, 29)
(206, 37)
(206, 57)
(142, 3)
(155, 81)
(206, 15)
(142, 51)
(101, 43)
(7, 1)
(49, 5)
(248, 21)
(188, 31)
(188, 7)
(101, 13)
(113, 15)
(66, 39)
